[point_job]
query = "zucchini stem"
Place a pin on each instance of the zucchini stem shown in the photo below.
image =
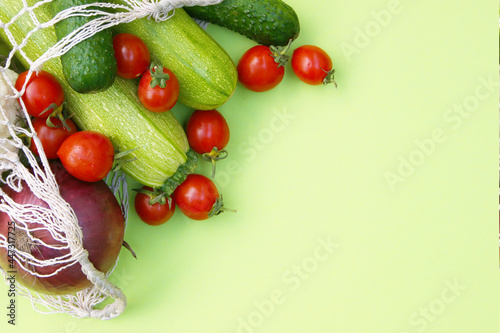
(180, 175)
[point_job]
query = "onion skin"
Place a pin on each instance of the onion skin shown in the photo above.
(100, 218)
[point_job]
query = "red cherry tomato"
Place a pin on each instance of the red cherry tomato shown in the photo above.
(312, 65)
(42, 90)
(87, 155)
(158, 92)
(132, 55)
(258, 70)
(206, 130)
(198, 198)
(208, 134)
(155, 214)
(51, 137)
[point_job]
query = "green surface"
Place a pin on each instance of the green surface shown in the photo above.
(367, 208)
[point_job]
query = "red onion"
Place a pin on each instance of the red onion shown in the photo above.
(100, 217)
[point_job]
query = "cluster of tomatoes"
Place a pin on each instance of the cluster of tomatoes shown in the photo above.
(197, 197)
(90, 156)
(87, 155)
(261, 68)
(207, 132)
(158, 86)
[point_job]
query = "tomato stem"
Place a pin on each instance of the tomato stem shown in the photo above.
(214, 156)
(219, 208)
(330, 77)
(279, 53)
(52, 108)
(119, 159)
(162, 199)
(158, 77)
(156, 196)
(57, 111)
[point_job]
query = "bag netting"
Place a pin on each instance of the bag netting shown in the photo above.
(59, 219)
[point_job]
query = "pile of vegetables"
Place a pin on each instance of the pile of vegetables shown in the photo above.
(104, 106)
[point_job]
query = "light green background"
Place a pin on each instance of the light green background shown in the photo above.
(309, 165)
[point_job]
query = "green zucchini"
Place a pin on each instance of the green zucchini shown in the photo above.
(207, 75)
(89, 66)
(268, 22)
(163, 157)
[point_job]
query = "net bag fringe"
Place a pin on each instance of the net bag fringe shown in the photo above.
(59, 219)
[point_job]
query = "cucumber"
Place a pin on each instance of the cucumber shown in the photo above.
(207, 75)
(89, 66)
(163, 156)
(268, 22)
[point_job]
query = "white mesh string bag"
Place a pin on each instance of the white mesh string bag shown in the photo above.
(59, 219)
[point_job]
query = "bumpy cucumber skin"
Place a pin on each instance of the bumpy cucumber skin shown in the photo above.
(89, 66)
(268, 22)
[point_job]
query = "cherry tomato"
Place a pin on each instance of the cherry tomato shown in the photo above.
(155, 214)
(258, 71)
(42, 90)
(158, 89)
(312, 65)
(207, 129)
(132, 55)
(51, 137)
(198, 198)
(87, 155)
(208, 134)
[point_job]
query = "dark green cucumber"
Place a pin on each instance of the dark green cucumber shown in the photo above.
(268, 22)
(89, 66)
